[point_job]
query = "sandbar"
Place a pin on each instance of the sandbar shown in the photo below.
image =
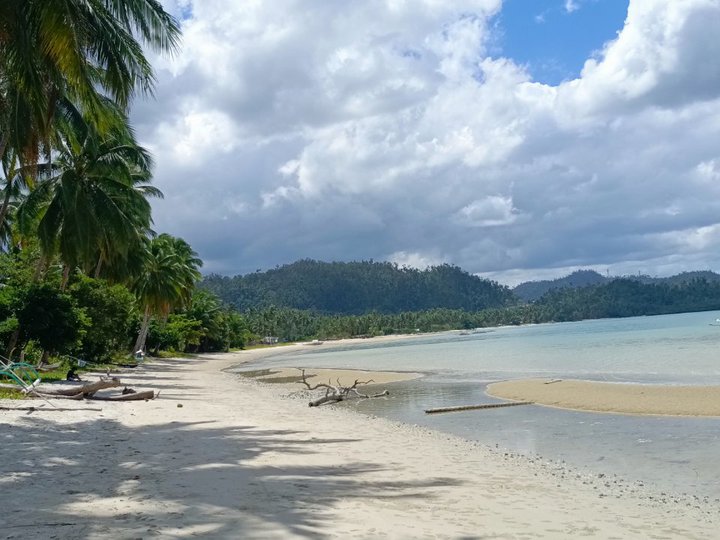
(611, 397)
(346, 377)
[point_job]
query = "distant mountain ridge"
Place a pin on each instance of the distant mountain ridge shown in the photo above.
(531, 291)
(358, 288)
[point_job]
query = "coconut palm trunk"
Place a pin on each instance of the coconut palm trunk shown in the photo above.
(3, 144)
(6, 203)
(98, 268)
(144, 328)
(12, 343)
(65, 277)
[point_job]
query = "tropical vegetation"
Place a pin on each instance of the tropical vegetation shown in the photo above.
(82, 273)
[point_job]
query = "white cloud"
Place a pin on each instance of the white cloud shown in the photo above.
(490, 211)
(359, 130)
(571, 6)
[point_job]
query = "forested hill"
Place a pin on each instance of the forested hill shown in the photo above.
(531, 291)
(359, 287)
(626, 297)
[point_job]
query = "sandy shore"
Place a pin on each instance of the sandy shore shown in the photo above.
(345, 377)
(613, 397)
(220, 456)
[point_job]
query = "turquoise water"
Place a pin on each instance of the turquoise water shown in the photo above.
(671, 454)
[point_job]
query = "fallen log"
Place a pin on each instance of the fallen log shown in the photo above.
(55, 409)
(474, 407)
(137, 396)
(11, 386)
(85, 390)
(76, 397)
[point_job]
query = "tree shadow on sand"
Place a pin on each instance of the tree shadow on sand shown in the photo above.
(176, 479)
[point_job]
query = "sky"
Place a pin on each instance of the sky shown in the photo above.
(517, 139)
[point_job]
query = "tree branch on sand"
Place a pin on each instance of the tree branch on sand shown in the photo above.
(333, 394)
(88, 390)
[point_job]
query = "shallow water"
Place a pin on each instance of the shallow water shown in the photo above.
(670, 454)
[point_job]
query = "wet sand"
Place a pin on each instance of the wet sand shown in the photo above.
(612, 397)
(345, 377)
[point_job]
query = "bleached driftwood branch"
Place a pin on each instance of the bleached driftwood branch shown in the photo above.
(85, 390)
(88, 390)
(333, 394)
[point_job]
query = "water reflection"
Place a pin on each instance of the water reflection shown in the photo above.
(673, 454)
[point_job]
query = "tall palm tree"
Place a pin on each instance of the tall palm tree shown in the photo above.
(82, 48)
(83, 51)
(91, 203)
(168, 278)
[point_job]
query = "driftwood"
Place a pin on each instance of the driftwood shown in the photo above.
(474, 407)
(137, 396)
(11, 386)
(88, 391)
(333, 394)
(85, 390)
(54, 409)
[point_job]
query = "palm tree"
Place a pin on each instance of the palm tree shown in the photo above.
(81, 51)
(168, 278)
(91, 203)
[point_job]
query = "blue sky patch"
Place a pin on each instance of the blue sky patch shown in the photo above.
(554, 38)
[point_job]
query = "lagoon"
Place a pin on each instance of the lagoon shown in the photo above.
(669, 454)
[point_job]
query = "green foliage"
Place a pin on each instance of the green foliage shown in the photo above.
(205, 325)
(9, 393)
(532, 291)
(49, 317)
(168, 276)
(355, 288)
(90, 203)
(176, 334)
(111, 314)
(68, 71)
(628, 298)
(617, 298)
(8, 303)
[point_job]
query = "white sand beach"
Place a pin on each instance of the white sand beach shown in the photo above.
(221, 456)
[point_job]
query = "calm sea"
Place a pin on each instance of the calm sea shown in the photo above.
(671, 454)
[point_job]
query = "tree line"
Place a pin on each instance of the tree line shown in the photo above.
(616, 298)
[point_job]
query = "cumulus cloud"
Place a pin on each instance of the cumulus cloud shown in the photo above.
(386, 129)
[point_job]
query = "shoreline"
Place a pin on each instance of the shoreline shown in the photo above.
(612, 397)
(220, 456)
(344, 377)
(290, 376)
